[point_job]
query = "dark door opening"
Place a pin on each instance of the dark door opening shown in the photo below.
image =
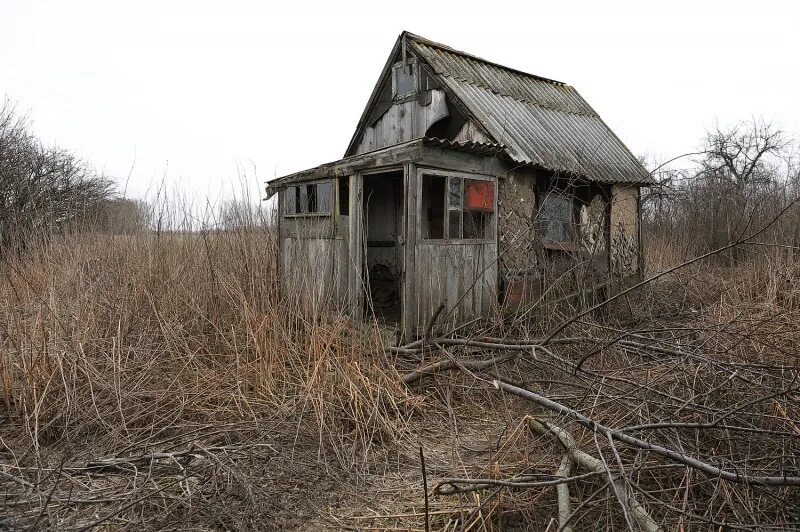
(383, 260)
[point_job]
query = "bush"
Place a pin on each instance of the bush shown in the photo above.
(43, 190)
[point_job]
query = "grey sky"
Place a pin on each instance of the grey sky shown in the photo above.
(194, 90)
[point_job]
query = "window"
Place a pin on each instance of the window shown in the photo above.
(405, 79)
(556, 217)
(314, 198)
(344, 196)
(466, 212)
(433, 207)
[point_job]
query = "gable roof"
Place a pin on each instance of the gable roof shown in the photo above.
(541, 122)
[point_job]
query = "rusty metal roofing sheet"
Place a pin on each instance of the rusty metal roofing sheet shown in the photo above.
(539, 121)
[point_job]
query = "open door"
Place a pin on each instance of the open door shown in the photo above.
(383, 205)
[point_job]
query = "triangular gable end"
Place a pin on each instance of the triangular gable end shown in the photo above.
(408, 102)
(427, 89)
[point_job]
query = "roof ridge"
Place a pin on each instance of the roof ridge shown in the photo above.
(593, 113)
(425, 41)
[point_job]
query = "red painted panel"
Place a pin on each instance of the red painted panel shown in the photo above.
(478, 195)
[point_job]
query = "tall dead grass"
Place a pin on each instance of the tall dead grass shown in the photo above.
(120, 345)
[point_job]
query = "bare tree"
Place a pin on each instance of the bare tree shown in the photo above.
(744, 155)
(42, 189)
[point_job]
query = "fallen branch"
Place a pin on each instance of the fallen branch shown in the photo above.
(499, 344)
(591, 463)
(451, 364)
(562, 493)
(434, 317)
(186, 455)
(451, 486)
(689, 461)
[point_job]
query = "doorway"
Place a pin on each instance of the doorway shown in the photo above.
(383, 257)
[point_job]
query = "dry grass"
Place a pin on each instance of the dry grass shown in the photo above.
(159, 381)
(126, 346)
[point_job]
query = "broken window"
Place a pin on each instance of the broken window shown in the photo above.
(405, 80)
(433, 207)
(344, 196)
(466, 212)
(314, 198)
(556, 217)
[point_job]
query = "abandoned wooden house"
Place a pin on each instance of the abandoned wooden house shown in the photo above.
(465, 183)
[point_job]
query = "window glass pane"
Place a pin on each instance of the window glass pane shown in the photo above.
(454, 226)
(405, 80)
(479, 195)
(454, 192)
(476, 224)
(290, 200)
(556, 217)
(323, 197)
(433, 207)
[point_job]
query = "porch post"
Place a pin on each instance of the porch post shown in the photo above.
(408, 302)
(356, 250)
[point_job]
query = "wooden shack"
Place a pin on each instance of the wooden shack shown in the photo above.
(466, 183)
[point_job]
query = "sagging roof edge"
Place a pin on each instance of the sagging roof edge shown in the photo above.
(411, 151)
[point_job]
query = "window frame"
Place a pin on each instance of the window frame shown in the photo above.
(462, 176)
(412, 62)
(331, 199)
(544, 222)
(579, 194)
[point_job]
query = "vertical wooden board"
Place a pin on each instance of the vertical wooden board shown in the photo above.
(476, 281)
(440, 288)
(466, 288)
(420, 288)
(356, 246)
(409, 305)
(451, 264)
(409, 110)
(340, 264)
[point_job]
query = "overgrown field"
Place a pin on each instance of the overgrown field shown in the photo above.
(158, 381)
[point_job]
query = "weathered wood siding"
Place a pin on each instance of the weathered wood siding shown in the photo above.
(315, 272)
(470, 132)
(315, 262)
(465, 275)
(404, 121)
(516, 216)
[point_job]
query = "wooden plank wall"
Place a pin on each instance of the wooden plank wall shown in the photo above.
(465, 274)
(403, 121)
(314, 277)
(315, 261)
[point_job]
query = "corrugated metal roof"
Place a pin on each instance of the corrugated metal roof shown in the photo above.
(539, 121)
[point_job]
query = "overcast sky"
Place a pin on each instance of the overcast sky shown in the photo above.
(197, 93)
